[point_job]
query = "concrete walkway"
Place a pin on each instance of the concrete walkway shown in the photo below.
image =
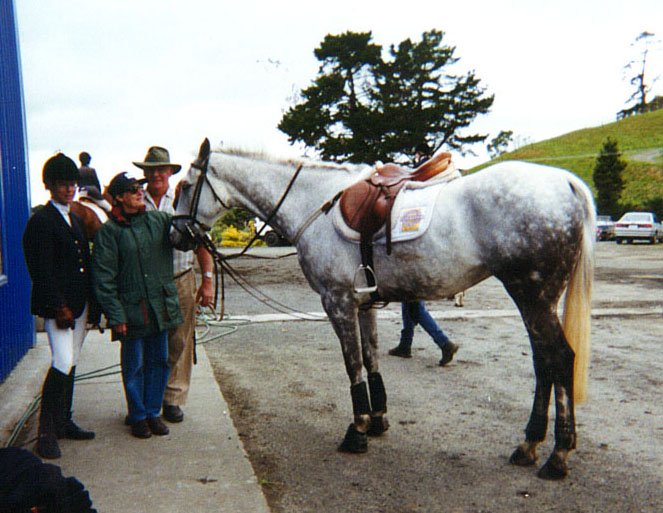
(200, 466)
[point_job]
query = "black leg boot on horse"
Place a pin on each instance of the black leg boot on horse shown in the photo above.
(355, 440)
(67, 428)
(52, 398)
(379, 423)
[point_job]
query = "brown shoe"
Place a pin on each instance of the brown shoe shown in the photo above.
(140, 429)
(172, 413)
(448, 352)
(157, 426)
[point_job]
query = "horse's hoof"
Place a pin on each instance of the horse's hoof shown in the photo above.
(522, 458)
(354, 441)
(378, 426)
(553, 470)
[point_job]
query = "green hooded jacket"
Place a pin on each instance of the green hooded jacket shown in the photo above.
(132, 274)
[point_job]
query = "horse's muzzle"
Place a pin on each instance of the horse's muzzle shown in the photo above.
(181, 237)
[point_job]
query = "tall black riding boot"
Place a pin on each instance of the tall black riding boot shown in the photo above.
(67, 428)
(52, 396)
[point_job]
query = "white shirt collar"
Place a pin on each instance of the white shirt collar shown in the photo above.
(166, 200)
(63, 209)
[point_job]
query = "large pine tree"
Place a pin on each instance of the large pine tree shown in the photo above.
(362, 108)
(608, 178)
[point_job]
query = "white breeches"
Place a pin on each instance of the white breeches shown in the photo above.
(66, 344)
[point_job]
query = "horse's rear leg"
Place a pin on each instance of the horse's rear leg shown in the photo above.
(378, 394)
(553, 365)
(536, 429)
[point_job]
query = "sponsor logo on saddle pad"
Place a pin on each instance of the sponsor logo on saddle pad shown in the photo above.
(411, 219)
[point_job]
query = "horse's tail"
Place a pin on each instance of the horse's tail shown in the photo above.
(576, 320)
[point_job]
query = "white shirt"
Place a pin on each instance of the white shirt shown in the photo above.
(63, 209)
(182, 260)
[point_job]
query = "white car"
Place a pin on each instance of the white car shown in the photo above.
(638, 226)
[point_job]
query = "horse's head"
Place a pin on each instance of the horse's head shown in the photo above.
(199, 203)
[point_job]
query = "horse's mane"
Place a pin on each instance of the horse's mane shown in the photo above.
(291, 161)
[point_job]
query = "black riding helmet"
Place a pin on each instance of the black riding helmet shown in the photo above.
(59, 167)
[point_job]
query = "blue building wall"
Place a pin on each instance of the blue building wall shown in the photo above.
(16, 323)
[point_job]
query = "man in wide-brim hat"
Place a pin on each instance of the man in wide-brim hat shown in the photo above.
(160, 196)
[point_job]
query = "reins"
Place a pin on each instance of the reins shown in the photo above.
(270, 217)
(202, 238)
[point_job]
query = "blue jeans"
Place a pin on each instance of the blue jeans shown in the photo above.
(414, 313)
(145, 374)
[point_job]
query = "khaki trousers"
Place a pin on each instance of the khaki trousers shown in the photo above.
(181, 343)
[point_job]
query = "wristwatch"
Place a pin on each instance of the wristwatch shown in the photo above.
(207, 274)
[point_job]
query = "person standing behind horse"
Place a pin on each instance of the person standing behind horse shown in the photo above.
(132, 275)
(88, 175)
(160, 196)
(57, 256)
(414, 312)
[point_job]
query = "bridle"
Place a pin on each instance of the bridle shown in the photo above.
(197, 231)
(194, 228)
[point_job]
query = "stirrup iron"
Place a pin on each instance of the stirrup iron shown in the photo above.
(368, 289)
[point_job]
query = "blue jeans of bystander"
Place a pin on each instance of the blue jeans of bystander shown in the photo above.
(145, 374)
(414, 313)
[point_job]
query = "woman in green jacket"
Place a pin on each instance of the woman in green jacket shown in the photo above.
(132, 275)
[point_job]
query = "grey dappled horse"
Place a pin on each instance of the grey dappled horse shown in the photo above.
(530, 226)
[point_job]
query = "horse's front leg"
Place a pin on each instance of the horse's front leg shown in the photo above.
(378, 394)
(342, 312)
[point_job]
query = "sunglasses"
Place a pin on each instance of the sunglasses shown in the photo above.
(135, 189)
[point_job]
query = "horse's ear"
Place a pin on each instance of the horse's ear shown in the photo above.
(204, 151)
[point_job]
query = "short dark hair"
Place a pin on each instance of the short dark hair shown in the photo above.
(84, 157)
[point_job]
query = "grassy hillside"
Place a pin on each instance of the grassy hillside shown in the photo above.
(577, 152)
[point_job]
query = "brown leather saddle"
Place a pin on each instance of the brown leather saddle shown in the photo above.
(366, 205)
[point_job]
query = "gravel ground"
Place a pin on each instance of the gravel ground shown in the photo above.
(453, 428)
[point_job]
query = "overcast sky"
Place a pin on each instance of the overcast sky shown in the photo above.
(113, 78)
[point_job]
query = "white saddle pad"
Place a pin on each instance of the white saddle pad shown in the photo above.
(410, 216)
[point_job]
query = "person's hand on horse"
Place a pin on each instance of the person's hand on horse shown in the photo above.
(64, 318)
